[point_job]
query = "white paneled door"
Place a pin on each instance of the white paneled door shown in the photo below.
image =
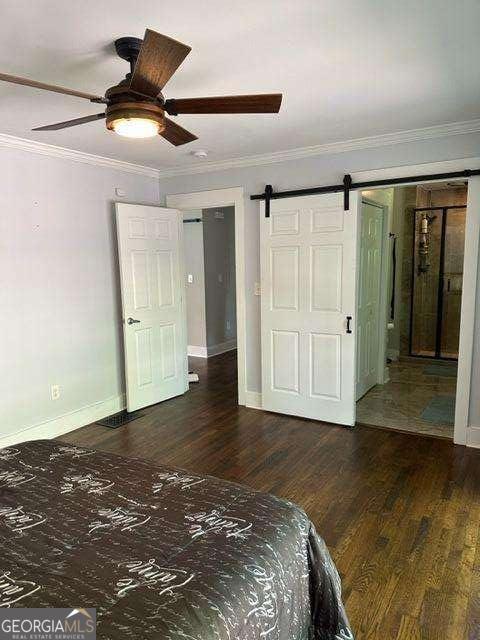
(369, 277)
(151, 270)
(308, 264)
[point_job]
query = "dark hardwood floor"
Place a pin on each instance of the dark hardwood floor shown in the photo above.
(400, 513)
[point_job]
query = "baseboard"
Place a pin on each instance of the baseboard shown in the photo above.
(386, 375)
(213, 350)
(222, 347)
(393, 354)
(66, 422)
(473, 437)
(197, 352)
(253, 400)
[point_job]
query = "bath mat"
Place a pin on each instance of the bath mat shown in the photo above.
(440, 410)
(445, 370)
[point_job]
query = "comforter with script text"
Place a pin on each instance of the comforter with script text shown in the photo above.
(161, 553)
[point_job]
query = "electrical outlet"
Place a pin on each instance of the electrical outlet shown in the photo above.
(55, 391)
(190, 278)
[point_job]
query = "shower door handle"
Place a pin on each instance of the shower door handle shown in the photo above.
(349, 319)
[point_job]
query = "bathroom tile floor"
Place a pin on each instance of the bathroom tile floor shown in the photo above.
(399, 403)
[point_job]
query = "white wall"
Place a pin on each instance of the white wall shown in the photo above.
(324, 169)
(60, 312)
(60, 315)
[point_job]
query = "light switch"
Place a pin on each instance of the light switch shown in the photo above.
(257, 289)
(190, 278)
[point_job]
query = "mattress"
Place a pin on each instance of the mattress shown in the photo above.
(161, 553)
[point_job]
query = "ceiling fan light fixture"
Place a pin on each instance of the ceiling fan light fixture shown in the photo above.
(136, 127)
(135, 119)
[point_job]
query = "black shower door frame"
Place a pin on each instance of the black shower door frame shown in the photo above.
(441, 276)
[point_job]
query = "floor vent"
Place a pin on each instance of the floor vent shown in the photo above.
(119, 419)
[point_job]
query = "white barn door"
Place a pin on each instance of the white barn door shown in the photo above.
(153, 303)
(308, 267)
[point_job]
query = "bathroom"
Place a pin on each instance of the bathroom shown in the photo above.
(423, 253)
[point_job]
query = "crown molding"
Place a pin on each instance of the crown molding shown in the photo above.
(357, 144)
(386, 139)
(51, 150)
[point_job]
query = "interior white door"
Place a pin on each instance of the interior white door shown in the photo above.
(154, 320)
(368, 325)
(308, 265)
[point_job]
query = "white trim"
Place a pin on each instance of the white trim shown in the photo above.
(356, 144)
(197, 352)
(221, 347)
(67, 422)
(253, 400)
(183, 295)
(473, 437)
(224, 198)
(427, 168)
(212, 350)
(32, 146)
(463, 434)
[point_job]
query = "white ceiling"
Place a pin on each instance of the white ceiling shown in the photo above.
(347, 69)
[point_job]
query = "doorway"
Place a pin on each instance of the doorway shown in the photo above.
(217, 199)
(423, 256)
(210, 283)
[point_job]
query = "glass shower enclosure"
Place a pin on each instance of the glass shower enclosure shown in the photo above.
(437, 275)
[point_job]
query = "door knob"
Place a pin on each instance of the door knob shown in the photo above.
(132, 321)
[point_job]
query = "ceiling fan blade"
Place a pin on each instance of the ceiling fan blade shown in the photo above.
(263, 103)
(70, 123)
(176, 134)
(50, 87)
(157, 61)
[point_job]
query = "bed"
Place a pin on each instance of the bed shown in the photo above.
(163, 554)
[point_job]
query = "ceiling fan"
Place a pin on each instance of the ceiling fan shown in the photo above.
(136, 108)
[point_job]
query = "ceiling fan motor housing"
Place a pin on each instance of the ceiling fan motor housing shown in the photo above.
(128, 49)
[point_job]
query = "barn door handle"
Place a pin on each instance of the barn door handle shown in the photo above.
(132, 321)
(349, 319)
